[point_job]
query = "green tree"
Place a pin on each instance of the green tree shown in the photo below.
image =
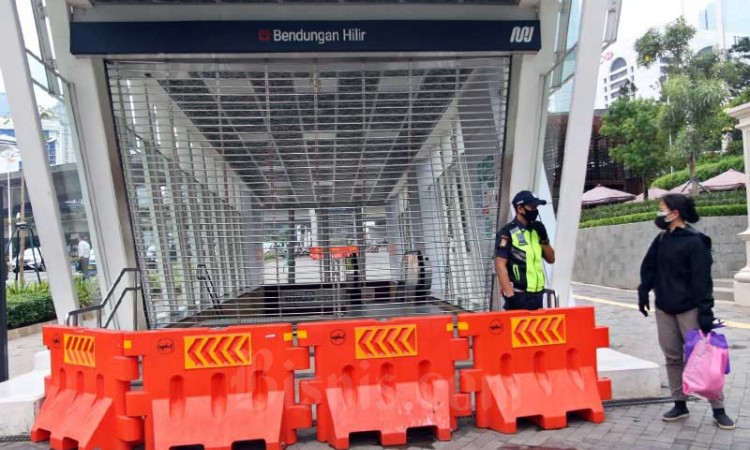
(693, 91)
(633, 125)
(693, 114)
(671, 47)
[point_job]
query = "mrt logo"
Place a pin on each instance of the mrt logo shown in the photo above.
(264, 35)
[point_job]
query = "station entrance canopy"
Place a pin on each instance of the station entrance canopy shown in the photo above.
(352, 169)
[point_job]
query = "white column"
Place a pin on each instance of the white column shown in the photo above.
(593, 17)
(28, 127)
(527, 95)
(103, 177)
(742, 278)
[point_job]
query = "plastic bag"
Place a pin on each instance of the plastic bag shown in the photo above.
(704, 370)
(693, 336)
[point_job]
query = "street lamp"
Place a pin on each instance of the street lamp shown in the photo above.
(12, 156)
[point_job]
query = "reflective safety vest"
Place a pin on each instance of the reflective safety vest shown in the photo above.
(525, 266)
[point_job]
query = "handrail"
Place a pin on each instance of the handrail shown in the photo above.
(117, 305)
(209, 283)
(72, 317)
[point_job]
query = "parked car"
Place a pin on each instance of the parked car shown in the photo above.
(151, 255)
(32, 259)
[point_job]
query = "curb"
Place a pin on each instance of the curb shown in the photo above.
(29, 330)
(17, 333)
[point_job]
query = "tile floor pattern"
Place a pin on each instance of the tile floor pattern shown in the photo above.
(631, 428)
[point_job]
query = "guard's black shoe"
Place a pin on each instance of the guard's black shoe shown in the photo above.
(722, 419)
(679, 412)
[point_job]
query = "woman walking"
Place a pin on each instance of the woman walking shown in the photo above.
(677, 267)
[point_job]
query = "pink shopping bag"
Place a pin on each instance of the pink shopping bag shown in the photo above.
(705, 368)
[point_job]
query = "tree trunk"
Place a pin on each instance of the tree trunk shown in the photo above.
(693, 179)
(645, 189)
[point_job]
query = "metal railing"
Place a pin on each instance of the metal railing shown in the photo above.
(208, 284)
(73, 317)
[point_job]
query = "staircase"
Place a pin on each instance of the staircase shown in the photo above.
(724, 289)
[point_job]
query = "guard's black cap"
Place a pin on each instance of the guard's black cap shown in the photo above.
(527, 198)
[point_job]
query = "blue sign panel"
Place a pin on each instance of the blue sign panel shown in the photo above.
(99, 38)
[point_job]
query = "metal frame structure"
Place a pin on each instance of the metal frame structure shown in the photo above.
(214, 150)
(521, 166)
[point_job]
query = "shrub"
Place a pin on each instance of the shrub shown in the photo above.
(624, 209)
(703, 172)
(618, 220)
(31, 303)
(28, 309)
(87, 290)
(28, 288)
(703, 211)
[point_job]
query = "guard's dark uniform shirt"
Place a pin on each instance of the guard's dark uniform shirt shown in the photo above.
(522, 249)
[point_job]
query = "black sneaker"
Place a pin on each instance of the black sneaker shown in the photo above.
(722, 419)
(679, 412)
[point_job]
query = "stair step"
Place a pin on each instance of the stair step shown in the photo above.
(724, 283)
(724, 293)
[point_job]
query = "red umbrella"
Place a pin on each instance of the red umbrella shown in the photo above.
(653, 194)
(601, 195)
(687, 188)
(727, 181)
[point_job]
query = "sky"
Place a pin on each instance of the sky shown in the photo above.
(636, 18)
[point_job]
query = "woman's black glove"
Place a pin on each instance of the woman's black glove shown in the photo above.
(705, 320)
(643, 302)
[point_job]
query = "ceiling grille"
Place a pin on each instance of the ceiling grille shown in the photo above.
(269, 190)
(312, 2)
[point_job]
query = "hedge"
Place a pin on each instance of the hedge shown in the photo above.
(703, 172)
(625, 209)
(703, 211)
(32, 302)
(28, 309)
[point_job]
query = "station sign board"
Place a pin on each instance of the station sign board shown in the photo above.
(189, 37)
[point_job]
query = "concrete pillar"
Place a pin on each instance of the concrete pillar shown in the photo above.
(742, 278)
(28, 127)
(577, 140)
(528, 93)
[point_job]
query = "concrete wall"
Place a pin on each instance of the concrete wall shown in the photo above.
(611, 256)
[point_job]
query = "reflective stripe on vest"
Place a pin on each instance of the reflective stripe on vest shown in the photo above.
(533, 251)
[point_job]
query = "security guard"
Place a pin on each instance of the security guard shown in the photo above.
(519, 249)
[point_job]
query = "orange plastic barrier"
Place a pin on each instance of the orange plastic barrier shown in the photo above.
(85, 392)
(385, 376)
(216, 388)
(342, 251)
(337, 251)
(538, 365)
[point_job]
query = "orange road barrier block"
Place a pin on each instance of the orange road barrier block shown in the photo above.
(384, 376)
(215, 388)
(538, 365)
(84, 404)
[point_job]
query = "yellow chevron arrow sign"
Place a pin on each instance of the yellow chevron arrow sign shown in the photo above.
(393, 341)
(79, 350)
(218, 350)
(538, 331)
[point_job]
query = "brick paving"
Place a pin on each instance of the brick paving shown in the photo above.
(631, 427)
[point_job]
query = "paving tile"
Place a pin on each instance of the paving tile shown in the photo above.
(626, 428)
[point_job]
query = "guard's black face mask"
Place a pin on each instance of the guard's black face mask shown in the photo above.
(530, 215)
